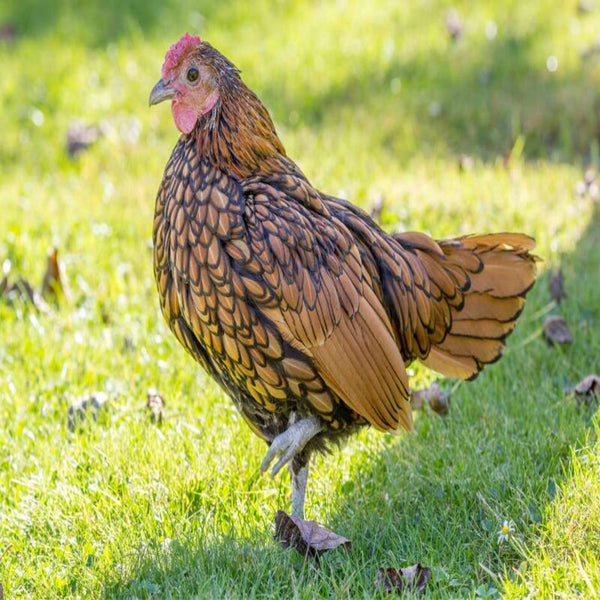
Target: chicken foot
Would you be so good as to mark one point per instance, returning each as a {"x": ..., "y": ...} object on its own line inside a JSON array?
[{"x": 291, "y": 442}]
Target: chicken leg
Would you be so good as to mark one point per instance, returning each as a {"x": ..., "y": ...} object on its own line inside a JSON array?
[
  {"x": 299, "y": 473},
  {"x": 288, "y": 446}
]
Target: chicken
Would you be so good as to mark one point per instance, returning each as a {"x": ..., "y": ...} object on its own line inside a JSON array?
[{"x": 296, "y": 302}]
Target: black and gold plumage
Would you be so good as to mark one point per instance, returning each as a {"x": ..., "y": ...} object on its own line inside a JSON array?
[{"x": 296, "y": 302}]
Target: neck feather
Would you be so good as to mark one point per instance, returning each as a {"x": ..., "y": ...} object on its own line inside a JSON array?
[{"x": 238, "y": 135}]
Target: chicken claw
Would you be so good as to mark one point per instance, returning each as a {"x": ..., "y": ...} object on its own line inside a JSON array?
[{"x": 291, "y": 442}]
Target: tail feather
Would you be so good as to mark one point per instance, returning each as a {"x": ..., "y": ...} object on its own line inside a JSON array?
[
  {"x": 502, "y": 309},
  {"x": 461, "y": 367},
  {"x": 451, "y": 303},
  {"x": 491, "y": 304},
  {"x": 482, "y": 328}
]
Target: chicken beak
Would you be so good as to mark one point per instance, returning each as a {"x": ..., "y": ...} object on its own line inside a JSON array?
[{"x": 161, "y": 92}]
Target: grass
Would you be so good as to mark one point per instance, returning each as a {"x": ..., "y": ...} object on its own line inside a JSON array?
[{"x": 368, "y": 101}]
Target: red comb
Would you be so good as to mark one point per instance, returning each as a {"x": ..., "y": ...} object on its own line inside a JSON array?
[{"x": 177, "y": 50}]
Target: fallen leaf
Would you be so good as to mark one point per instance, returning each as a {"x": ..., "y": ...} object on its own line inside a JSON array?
[
  {"x": 588, "y": 389},
  {"x": 105, "y": 314},
  {"x": 23, "y": 290},
  {"x": 377, "y": 207},
  {"x": 556, "y": 286},
  {"x": 156, "y": 405},
  {"x": 589, "y": 177},
  {"x": 591, "y": 51},
  {"x": 465, "y": 162},
  {"x": 556, "y": 331},
  {"x": 436, "y": 397},
  {"x": 54, "y": 281},
  {"x": 417, "y": 399},
  {"x": 8, "y": 33},
  {"x": 80, "y": 137},
  {"x": 128, "y": 344},
  {"x": 306, "y": 537},
  {"x": 454, "y": 25},
  {"x": 82, "y": 406},
  {"x": 580, "y": 189},
  {"x": 439, "y": 402},
  {"x": 413, "y": 579}
]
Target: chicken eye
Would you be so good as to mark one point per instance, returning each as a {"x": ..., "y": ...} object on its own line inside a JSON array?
[{"x": 192, "y": 74}]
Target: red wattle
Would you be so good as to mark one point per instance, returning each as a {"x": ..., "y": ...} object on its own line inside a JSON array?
[{"x": 185, "y": 116}]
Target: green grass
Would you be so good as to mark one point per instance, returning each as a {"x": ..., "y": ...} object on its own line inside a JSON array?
[{"x": 368, "y": 101}]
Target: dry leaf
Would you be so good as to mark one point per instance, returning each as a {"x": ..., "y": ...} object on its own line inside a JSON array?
[
  {"x": 588, "y": 389},
  {"x": 306, "y": 537},
  {"x": 556, "y": 331},
  {"x": 436, "y": 397},
  {"x": 439, "y": 400},
  {"x": 377, "y": 207},
  {"x": 156, "y": 405},
  {"x": 8, "y": 33},
  {"x": 466, "y": 162},
  {"x": 585, "y": 6},
  {"x": 105, "y": 315},
  {"x": 80, "y": 137},
  {"x": 589, "y": 185},
  {"x": 417, "y": 399},
  {"x": 54, "y": 281},
  {"x": 80, "y": 408},
  {"x": 128, "y": 344},
  {"x": 556, "y": 286},
  {"x": 410, "y": 579},
  {"x": 580, "y": 189},
  {"x": 591, "y": 51},
  {"x": 24, "y": 291},
  {"x": 454, "y": 24},
  {"x": 21, "y": 289}
]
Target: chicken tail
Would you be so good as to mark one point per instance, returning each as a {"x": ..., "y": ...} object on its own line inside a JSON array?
[{"x": 500, "y": 272}]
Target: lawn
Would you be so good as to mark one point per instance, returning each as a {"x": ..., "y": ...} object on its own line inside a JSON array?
[{"x": 377, "y": 101}]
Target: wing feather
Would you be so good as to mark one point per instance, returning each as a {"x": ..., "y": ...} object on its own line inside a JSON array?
[{"x": 336, "y": 319}]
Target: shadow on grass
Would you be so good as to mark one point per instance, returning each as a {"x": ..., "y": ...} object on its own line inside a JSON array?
[
  {"x": 438, "y": 496},
  {"x": 475, "y": 98},
  {"x": 475, "y": 102},
  {"x": 97, "y": 22}
]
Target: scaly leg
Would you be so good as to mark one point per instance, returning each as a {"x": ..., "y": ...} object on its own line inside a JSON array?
[
  {"x": 299, "y": 472},
  {"x": 291, "y": 442}
]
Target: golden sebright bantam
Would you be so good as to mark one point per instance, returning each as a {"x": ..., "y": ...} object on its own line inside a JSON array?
[{"x": 296, "y": 302}]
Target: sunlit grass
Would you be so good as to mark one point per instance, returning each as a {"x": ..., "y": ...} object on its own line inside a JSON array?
[{"x": 367, "y": 101}]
